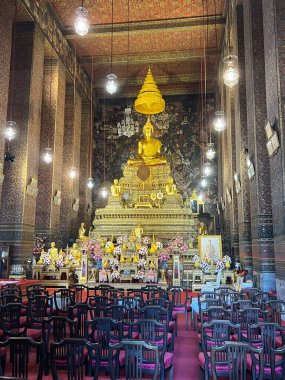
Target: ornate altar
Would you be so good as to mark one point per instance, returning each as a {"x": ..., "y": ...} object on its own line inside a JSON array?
[{"x": 146, "y": 194}]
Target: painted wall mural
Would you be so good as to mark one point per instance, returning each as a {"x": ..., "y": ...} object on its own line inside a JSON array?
[{"x": 178, "y": 128}]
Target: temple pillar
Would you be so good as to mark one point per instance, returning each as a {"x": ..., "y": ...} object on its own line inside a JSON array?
[
  {"x": 6, "y": 26},
  {"x": 260, "y": 191},
  {"x": 68, "y": 228},
  {"x": 241, "y": 142},
  {"x": 52, "y": 131},
  {"x": 274, "y": 41},
  {"x": 18, "y": 207},
  {"x": 85, "y": 194}
]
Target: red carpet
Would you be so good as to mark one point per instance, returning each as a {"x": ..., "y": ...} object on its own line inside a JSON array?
[{"x": 186, "y": 366}]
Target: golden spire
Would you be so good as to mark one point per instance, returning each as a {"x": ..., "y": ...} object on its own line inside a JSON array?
[{"x": 149, "y": 100}]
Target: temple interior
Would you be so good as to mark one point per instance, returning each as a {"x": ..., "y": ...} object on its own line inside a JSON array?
[{"x": 142, "y": 189}]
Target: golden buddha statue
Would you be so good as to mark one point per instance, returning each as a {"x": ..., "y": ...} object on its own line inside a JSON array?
[
  {"x": 82, "y": 231},
  {"x": 116, "y": 188},
  {"x": 76, "y": 253},
  {"x": 170, "y": 187},
  {"x": 203, "y": 229},
  {"x": 53, "y": 254},
  {"x": 148, "y": 149},
  {"x": 138, "y": 232}
]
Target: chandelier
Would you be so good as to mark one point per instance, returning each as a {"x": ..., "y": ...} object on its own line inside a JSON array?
[
  {"x": 219, "y": 121},
  {"x": 81, "y": 23},
  {"x": 112, "y": 85},
  {"x": 230, "y": 74},
  {"x": 210, "y": 152},
  {"x": 127, "y": 127}
]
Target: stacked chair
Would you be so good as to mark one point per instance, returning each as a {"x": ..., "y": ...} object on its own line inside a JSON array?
[
  {"x": 240, "y": 335},
  {"x": 81, "y": 332}
]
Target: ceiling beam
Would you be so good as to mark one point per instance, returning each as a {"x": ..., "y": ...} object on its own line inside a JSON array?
[
  {"x": 139, "y": 27},
  {"x": 160, "y": 80},
  {"x": 176, "y": 56}
]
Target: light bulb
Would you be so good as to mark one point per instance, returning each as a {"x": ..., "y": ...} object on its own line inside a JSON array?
[
  {"x": 72, "y": 173},
  {"x": 90, "y": 183},
  {"x": 219, "y": 121},
  {"x": 230, "y": 74},
  {"x": 207, "y": 169},
  {"x": 201, "y": 197},
  {"x": 104, "y": 192},
  {"x": 111, "y": 85},
  {"x": 81, "y": 23},
  {"x": 47, "y": 156},
  {"x": 10, "y": 130},
  {"x": 204, "y": 182},
  {"x": 210, "y": 153}
]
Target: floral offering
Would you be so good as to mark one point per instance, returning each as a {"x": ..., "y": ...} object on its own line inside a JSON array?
[
  {"x": 59, "y": 263},
  {"x": 146, "y": 240},
  {"x": 114, "y": 263},
  {"x": 141, "y": 263},
  {"x": 163, "y": 256},
  {"x": 117, "y": 251},
  {"x": 139, "y": 275},
  {"x": 159, "y": 245},
  {"x": 220, "y": 265},
  {"x": 177, "y": 245},
  {"x": 143, "y": 251},
  {"x": 120, "y": 240},
  {"x": 93, "y": 246},
  {"x": 46, "y": 259},
  {"x": 98, "y": 256},
  {"x": 115, "y": 275}
]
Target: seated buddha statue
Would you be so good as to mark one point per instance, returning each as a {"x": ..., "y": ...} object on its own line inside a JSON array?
[
  {"x": 82, "y": 231},
  {"x": 148, "y": 149},
  {"x": 170, "y": 188},
  {"x": 116, "y": 188},
  {"x": 53, "y": 254},
  {"x": 76, "y": 253}
]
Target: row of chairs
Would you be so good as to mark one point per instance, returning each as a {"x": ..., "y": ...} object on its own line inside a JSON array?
[{"x": 240, "y": 333}]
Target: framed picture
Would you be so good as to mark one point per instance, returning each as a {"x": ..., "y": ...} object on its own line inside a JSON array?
[{"x": 210, "y": 247}]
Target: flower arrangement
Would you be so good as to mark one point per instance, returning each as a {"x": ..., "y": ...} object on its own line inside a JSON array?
[
  {"x": 220, "y": 265},
  {"x": 143, "y": 251},
  {"x": 120, "y": 240},
  {"x": 141, "y": 263},
  {"x": 46, "y": 259},
  {"x": 114, "y": 263},
  {"x": 98, "y": 256},
  {"x": 146, "y": 240},
  {"x": 177, "y": 245},
  {"x": 163, "y": 256},
  {"x": 115, "y": 275},
  {"x": 93, "y": 246},
  {"x": 159, "y": 245},
  {"x": 108, "y": 244},
  {"x": 139, "y": 275},
  {"x": 39, "y": 245},
  {"x": 117, "y": 250},
  {"x": 227, "y": 259},
  {"x": 59, "y": 263}
]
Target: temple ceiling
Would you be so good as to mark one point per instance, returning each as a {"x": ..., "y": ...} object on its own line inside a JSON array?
[{"x": 172, "y": 36}]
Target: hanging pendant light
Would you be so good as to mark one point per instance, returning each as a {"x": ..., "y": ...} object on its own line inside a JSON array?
[
  {"x": 204, "y": 182},
  {"x": 81, "y": 23},
  {"x": 90, "y": 183},
  {"x": 10, "y": 130},
  {"x": 112, "y": 85},
  {"x": 230, "y": 74},
  {"x": 210, "y": 152},
  {"x": 73, "y": 172},
  {"x": 207, "y": 169},
  {"x": 104, "y": 192},
  {"x": 47, "y": 156},
  {"x": 219, "y": 121}
]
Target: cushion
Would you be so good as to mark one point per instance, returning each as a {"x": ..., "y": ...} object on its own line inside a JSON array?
[
  {"x": 168, "y": 362},
  {"x": 219, "y": 368}
]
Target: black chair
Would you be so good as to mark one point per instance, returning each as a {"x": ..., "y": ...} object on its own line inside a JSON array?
[
  {"x": 105, "y": 331},
  {"x": 233, "y": 359},
  {"x": 140, "y": 358},
  {"x": 63, "y": 299},
  {"x": 181, "y": 301},
  {"x": 75, "y": 356},
  {"x": 56, "y": 329},
  {"x": 81, "y": 293},
  {"x": 80, "y": 313},
  {"x": 17, "y": 361},
  {"x": 277, "y": 360}
]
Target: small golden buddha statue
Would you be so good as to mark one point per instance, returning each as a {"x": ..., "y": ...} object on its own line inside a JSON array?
[
  {"x": 76, "y": 253},
  {"x": 202, "y": 229},
  {"x": 148, "y": 149},
  {"x": 170, "y": 187},
  {"x": 116, "y": 188},
  {"x": 53, "y": 254},
  {"x": 40, "y": 262},
  {"x": 138, "y": 232},
  {"x": 82, "y": 231}
]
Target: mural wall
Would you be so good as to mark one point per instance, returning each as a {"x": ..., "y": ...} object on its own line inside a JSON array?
[{"x": 178, "y": 128}]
